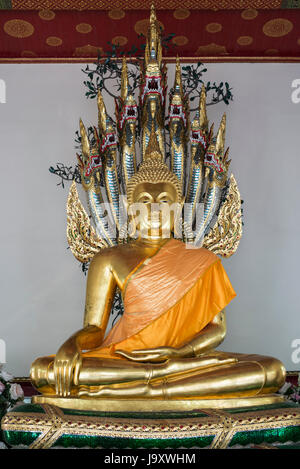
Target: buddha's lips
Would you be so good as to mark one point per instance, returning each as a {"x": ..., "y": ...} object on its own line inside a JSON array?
[{"x": 157, "y": 220}]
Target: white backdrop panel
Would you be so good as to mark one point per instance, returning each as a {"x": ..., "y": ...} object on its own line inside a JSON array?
[{"x": 42, "y": 286}]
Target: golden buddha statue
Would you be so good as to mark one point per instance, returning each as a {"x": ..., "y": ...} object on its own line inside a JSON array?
[{"x": 162, "y": 351}]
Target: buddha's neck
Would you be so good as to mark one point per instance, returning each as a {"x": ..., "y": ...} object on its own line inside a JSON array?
[{"x": 151, "y": 241}]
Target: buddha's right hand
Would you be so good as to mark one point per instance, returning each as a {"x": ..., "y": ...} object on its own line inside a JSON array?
[{"x": 67, "y": 366}]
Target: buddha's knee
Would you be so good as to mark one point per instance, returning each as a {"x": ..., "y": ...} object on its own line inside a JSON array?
[
  {"x": 275, "y": 374},
  {"x": 39, "y": 371}
]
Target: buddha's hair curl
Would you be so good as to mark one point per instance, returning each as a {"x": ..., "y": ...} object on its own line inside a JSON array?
[{"x": 152, "y": 170}]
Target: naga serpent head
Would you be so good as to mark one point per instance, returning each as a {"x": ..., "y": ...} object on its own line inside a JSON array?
[
  {"x": 177, "y": 112},
  {"x": 152, "y": 85},
  {"x": 198, "y": 135},
  {"x": 216, "y": 161},
  {"x": 128, "y": 112},
  {"x": 90, "y": 160},
  {"x": 126, "y": 107}
]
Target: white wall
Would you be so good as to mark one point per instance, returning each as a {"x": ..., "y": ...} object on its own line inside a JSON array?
[{"x": 42, "y": 287}]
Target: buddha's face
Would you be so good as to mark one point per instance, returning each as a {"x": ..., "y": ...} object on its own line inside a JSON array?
[{"x": 153, "y": 209}]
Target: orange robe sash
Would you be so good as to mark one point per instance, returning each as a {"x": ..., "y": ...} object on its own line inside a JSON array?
[{"x": 170, "y": 298}]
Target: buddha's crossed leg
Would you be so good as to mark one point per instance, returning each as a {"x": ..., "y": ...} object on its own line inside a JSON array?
[{"x": 217, "y": 374}]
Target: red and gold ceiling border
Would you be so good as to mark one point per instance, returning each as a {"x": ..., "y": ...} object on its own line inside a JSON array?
[
  {"x": 146, "y": 4},
  {"x": 77, "y": 36}
]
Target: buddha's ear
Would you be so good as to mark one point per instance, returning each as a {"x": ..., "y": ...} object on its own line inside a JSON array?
[{"x": 182, "y": 200}]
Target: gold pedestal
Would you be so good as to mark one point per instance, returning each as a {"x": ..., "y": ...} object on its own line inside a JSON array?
[{"x": 151, "y": 405}]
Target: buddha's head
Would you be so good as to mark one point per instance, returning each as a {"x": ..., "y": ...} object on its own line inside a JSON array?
[{"x": 154, "y": 198}]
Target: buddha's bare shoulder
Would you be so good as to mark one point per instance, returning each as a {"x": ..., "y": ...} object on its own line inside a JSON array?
[{"x": 111, "y": 255}]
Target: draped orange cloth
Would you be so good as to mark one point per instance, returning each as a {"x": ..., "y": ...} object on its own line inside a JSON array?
[{"x": 168, "y": 299}]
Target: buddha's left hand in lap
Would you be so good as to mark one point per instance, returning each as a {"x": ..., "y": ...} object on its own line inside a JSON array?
[
  {"x": 152, "y": 355},
  {"x": 161, "y": 354},
  {"x": 207, "y": 339}
]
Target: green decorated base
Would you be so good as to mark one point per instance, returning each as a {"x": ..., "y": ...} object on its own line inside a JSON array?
[{"x": 44, "y": 426}]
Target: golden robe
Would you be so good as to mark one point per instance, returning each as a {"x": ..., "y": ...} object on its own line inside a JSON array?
[{"x": 168, "y": 299}]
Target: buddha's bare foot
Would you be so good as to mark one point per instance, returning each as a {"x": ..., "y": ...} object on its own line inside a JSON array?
[
  {"x": 140, "y": 390},
  {"x": 94, "y": 391}
]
